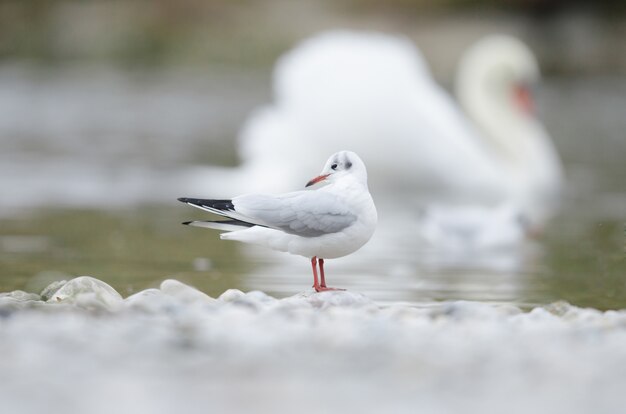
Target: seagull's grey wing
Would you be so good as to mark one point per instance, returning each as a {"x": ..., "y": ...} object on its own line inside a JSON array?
[{"x": 304, "y": 213}]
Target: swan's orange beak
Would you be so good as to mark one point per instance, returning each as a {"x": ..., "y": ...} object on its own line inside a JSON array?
[
  {"x": 317, "y": 180},
  {"x": 524, "y": 99}
]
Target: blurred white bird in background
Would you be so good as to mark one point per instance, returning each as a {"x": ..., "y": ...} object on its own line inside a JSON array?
[{"x": 374, "y": 93}]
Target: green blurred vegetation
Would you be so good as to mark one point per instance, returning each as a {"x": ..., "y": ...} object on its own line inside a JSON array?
[
  {"x": 524, "y": 6},
  {"x": 196, "y": 32},
  {"x": 133, "y": 32}
]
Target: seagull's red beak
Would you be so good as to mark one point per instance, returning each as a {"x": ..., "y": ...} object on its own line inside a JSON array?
[
  {"x": 524, "y": 99},
  {"x": 317, "y": 180}
]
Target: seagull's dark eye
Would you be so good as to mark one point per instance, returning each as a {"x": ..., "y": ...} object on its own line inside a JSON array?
[{"x": 333, "y": 167}]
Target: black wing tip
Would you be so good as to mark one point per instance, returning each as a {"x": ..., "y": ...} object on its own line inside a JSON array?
[
  {"x": 186, "y": 223},
  {"x": 217, "y": 204},
  {"x": 194, "y": 201}
]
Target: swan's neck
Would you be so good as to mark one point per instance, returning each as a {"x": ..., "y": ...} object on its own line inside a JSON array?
[
  {"x": 516, "y": 138},
  {"x": 511, "y": 133}
]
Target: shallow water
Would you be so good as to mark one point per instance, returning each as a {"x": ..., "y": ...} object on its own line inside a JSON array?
[{"x": 138, "y": 249}]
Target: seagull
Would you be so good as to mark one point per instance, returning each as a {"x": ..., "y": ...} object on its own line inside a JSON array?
[{"x": 333, "y": 217}]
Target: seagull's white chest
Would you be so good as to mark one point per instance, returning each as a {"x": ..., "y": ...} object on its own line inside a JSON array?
[{"x": 348, "y": 240}]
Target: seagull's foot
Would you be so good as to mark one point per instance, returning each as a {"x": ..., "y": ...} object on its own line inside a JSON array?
[{"x": 327, "y": 289}]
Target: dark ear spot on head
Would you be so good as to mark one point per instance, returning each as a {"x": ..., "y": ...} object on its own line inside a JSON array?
[{"x": 348, "y": 165}]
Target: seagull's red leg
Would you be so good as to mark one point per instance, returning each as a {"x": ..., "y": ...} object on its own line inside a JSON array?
[
  {"x": 323, "y": 284},
  {"x": 316, "y": 284}
]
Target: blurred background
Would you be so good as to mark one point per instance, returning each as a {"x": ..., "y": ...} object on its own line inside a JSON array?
[{"x": 108, "y": 107}]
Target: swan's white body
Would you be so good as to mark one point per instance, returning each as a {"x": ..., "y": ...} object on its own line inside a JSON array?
[{"x": 374, "y": 93}]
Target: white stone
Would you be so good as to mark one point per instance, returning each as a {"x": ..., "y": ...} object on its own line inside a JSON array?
[{"x": 87, "y": 292}]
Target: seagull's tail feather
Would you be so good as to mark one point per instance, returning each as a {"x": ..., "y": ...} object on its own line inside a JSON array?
[
  {"x": 220, "y": 207},
  {"x": 224, "y": 225},
  {"x": 224, "y": 208}
]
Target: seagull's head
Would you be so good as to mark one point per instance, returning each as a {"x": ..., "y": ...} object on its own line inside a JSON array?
[{"x": 341, "y": 165}]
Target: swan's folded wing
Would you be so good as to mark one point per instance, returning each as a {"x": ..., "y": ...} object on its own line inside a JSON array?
[{"x": 303, "y": 213}]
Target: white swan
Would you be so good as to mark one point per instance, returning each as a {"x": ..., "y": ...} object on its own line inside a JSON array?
[{"x": 374, "y": 93}]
